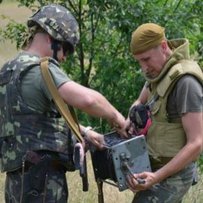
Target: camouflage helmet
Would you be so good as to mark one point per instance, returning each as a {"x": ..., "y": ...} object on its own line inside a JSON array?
[{"x": 58, "y": 22}]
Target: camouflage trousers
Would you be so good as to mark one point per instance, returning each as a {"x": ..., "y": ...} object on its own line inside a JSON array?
[
  {"x": 40, "y": 183},
  {"x": 170, "y": 190}
]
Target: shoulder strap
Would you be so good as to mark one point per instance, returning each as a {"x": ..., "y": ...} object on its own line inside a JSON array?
[
  {"x": 176, "y": 72},
  {"x": 63, "y": 108}
]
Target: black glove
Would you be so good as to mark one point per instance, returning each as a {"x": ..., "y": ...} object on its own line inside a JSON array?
[{"x": 139, "y": 115}]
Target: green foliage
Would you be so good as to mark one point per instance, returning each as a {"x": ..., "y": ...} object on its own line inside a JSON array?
[
  {"x": 106, "y": 26},
  {"x": 15, "y": 32},
  {"x": 200, "y": 163},
  {"x": 102, "y": 60}
]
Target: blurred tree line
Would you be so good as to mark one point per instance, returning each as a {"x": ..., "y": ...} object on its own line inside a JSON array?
[{"x": 102, "y": 60}]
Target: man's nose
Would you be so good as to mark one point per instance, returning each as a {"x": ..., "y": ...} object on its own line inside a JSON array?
[
  {"x": 63, "y": 58},
  {"x": 144, "y": 67}
]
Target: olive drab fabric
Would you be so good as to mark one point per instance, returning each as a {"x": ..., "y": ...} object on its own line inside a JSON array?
[
  {"x": 170, "y": 190},
  {"x": 63, "y": 108},
  {"x": 166, "y": 137},
  {"x": 22, "y": 128},
  {"x": 145, "y": 37},
  {"x": 58, "y": 22}
]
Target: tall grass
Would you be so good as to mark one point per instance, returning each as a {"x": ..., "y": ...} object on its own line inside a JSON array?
[{"x": 111, "y": 193}]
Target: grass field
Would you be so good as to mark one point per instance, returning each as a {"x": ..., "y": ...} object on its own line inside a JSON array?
[{"x": 111, "y": 194}]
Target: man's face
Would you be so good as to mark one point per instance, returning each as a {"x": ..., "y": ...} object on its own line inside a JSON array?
[
  {"x": 152, "y": 61},
  {"x": 62, "y": 52}
]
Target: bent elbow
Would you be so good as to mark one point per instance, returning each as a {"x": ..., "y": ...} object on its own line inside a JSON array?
[
  {"x": 88, "y": 102},
  {"x": 199, "y": 147}
]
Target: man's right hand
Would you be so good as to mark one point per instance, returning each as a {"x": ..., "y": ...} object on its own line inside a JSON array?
[
  {"x": 120, "y": 125},
  {"x": 129, "y": 126}
]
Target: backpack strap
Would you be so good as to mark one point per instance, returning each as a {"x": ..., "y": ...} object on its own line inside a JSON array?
[{"x": 63, "y": 108}]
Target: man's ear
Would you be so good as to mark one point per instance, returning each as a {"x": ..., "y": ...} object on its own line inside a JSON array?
[
  {"x": 164, "y": 45},
  {"x": 49, "y": 39}
]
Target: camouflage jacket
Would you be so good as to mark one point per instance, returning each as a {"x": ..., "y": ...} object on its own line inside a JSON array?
[{"x": 21, "y": 127}]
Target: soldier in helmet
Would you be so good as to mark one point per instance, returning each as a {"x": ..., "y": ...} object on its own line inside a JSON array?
[{"x": 34, "y": 137}]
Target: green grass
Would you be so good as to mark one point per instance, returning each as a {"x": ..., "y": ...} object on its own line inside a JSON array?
[{"x": 111, "y": 193}]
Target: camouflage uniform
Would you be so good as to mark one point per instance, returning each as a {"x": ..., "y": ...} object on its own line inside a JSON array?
[
  {"x": 35, "y": 145},
  {"x": 171, "y": 190},
  {"x": 43, "y": 182}
]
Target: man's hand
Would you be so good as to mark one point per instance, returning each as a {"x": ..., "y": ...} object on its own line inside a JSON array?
[
  {"x": 148, "y": 179},
  {"x": 129, "y": 127},
  {"x": 96, "y": 139},
  {"x": 119, "y": 125}
]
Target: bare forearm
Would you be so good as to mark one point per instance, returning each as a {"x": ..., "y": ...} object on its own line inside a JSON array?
[
  {"x": 90, "y": 101},
  {"x": 142, "y": 99},
  {"x": 193, "y": 127},
  {"x": 100, "y": 107},
  {"x": 188, "y": 154}
]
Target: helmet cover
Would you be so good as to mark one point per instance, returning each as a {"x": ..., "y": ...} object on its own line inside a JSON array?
[{"x": 58, "y": 22}]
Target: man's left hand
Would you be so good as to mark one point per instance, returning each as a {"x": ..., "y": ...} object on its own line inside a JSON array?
[{"x": 148, "y": 178}]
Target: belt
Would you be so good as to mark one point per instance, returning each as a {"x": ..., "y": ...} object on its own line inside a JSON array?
[
  {"x": 158, "y": 162},
  {"x": 35, "y": 158}
]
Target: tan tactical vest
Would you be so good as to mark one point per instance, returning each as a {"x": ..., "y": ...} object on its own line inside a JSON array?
[{"x": 165, "y": 138}]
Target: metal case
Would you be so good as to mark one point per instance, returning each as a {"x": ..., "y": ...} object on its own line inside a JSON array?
[
  {"x": 121, "y": 158},
  {"x": 130, "y": 156}
]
